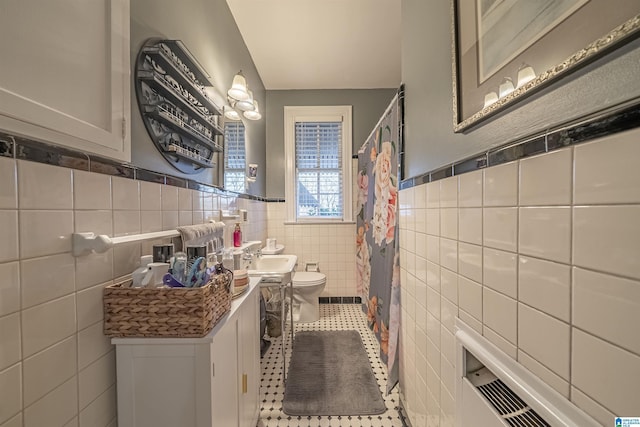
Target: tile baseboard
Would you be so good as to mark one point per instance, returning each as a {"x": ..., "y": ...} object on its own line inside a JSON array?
[{"x": 340, "y": 300}]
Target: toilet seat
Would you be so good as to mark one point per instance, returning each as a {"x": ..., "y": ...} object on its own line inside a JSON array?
[{"x": 308, "y": 278}]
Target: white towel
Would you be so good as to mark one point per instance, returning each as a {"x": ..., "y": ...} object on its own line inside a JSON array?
[{"x": 201, "y": 234}]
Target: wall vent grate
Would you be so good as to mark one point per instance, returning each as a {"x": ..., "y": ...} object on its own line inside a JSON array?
[{"x": 511, "y": 408}]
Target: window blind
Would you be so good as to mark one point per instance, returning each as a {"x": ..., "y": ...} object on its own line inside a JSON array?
[
  {"x": 234, "y": 157},
  {"x": 318, "y": 147}
]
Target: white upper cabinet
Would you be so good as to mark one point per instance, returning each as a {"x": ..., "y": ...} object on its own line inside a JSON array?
[{"x": 65, "y": 74}]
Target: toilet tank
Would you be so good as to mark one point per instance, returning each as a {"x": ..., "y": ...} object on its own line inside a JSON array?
[{"x": 273, "y": 251}]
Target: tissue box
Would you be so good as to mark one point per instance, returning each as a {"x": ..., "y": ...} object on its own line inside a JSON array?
[{"x": 165, "y": 312}]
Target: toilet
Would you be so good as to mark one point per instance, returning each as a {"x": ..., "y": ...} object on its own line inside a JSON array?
[{"x": 307, "y": 287}]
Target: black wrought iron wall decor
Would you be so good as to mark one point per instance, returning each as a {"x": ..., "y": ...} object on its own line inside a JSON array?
[{"x": 181, "y": 119}]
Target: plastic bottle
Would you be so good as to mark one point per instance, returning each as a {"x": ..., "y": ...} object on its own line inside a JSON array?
[
  {"x": 141, "y": 271},
  {"x": 227, "y": 259},
  {"x": 237, "y": 236}
]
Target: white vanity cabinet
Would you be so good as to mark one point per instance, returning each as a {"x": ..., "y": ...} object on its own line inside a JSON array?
[
  {"x": 65, "y": 74},
  {"x": 212, "y": 381}
]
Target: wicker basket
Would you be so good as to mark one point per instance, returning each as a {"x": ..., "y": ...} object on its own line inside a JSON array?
[{"x": 165, "y": 312}]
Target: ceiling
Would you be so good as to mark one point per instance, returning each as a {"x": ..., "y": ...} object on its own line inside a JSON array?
[{"x": 322, "y": 44}]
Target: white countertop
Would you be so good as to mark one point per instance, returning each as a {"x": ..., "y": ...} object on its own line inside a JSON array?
[{"x": 235, "y": 304}]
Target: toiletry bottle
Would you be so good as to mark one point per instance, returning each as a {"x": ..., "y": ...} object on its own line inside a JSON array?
[
  {"x": 237, "y": 236},
  {"x": 179, "y": 266},
  {"x": 227, "y": 259},
  {"x": 141, "y": 271},
  {"x": 195, "y": 252}
]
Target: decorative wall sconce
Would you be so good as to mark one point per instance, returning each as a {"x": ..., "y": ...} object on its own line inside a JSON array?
[{"x": 241, "y": 99}]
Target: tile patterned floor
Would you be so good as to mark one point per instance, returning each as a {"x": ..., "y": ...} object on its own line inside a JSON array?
[{"x": 332, "y": 317}]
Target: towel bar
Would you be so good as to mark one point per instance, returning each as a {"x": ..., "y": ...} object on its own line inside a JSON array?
[{"x": 85, "y": 243}]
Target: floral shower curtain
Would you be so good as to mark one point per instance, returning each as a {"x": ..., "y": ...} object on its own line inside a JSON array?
[{"x": 377, "y": 248}]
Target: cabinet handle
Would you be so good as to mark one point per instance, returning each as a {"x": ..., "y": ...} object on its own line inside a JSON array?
[
  {"x": 213, "y": 369},
  {"x": 244, "y": 383}
]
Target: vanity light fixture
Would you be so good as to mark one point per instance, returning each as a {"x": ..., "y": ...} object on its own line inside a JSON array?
[
  {"x": 230, "y": 113},
  {"x": 506, "y": 87},
  {"x": 246, "y": 105},
  {"x": 239, "y": 90},
  {"x": 253, "y": 114},
  {"x": 525, "y": 74}
]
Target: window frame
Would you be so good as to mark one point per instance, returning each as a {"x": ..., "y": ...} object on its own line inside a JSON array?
[
  {"x": 331, "y": 113},
  {"x": 225, "y": 160}
]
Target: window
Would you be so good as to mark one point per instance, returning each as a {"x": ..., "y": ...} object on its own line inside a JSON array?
[
  {"x": 318, "y": 159},
  {"x": 234, "y": 157}
]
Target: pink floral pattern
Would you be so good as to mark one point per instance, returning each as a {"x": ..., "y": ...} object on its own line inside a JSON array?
[
  {"x": 386, "y": 192},
  {"x": 377, "y": 251},
  {"x": 363, "y": 190},
  {"x": 363, "y": 264}
]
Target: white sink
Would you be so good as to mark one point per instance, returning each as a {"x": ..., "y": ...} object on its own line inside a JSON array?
[{"x": 273, "y": 266}]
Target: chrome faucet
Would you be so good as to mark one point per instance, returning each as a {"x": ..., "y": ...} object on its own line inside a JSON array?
[{"x": 247, "y": 255}]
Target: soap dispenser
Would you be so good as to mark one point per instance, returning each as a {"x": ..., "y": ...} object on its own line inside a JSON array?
[
  {"x": 237, "y": 236},
  {"x": 141, "y": 271}
]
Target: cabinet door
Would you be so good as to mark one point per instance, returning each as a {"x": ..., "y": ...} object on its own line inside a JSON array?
[
  {"x": 65, "y": 73},
  {"x": 158, "y": 385},
  {"x": 224, "y": 388},
  {"x": 249, "y": 372}
]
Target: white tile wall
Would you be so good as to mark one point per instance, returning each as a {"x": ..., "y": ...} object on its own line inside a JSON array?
[
  {"x": 56, "y": 365},
  {"x": 545, "y": 233},
  {"x": 607, "y": 306},
  {"x": 500, "y": 271},
  {"x": 607, "y": 238},
  {"x": 8, "y": 189},
  {"x": 470, "y": 190},
  {"x": 501, "y": 185},
  {"x": 558, "y": 284},
  {"x": 550, "y": 348},
  {"x": 92, "y": 191},
  {"x": 470, "y": 261},
  {"x": 606, "y": 176},
  {"x": 500, "y": 228},
  {"x": 9, "y": 235},
  {"x": 10, "y": 392},
  {"x": 500, "y": 313},
  {"x": 53, "y": 193},
  {"x": 333, "y": 246},
  {"x": 10, "y": 352},
  {"x": 614, "y": 377},
  {"x": 46, "y": 370},
  {"x": 545, "y": 285},
  {"x": 125, "y": 194},
  {"x": 545, "y": 180},
  {"x": 470, "y": 225},
  {"x": 9, "y": 288}
]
